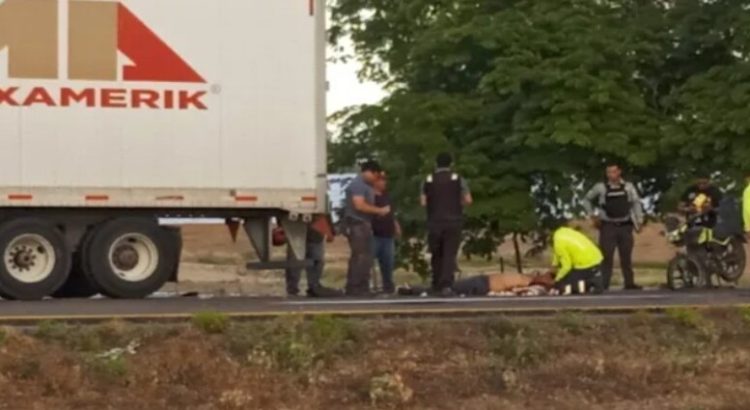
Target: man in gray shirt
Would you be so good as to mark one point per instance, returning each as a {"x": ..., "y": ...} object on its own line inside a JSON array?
[
  {"x": 359, "y": 209},
  {"x": 615, "y": 207}
]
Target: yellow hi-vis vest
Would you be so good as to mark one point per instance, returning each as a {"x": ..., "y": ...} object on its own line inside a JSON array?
[{"x": 573, "y": 250}]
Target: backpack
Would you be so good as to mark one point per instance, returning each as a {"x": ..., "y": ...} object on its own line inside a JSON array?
[{"x": 729, "y": 218}]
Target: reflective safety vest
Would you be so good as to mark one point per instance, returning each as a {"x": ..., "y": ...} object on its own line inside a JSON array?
[{"x": 573, "y": 251}]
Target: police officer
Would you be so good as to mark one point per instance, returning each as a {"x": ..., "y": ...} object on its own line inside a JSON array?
[
  {"x": 615, "y": 208},
  {"x": 444, "y": 194}
]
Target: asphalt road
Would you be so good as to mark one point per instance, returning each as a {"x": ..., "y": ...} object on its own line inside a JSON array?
[{"x": 175, "y": 308}]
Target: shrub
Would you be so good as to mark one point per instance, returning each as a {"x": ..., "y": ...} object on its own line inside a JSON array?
[{"x": 211, "y": 322}]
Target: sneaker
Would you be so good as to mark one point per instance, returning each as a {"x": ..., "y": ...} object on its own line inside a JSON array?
[
  {"x": 447, "y": 293},
  {"x": 633, "y": 287},
  {"x": 360, "y": 294}
]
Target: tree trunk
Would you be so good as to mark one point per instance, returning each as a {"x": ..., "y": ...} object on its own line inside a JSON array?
[{"x": 517, "y": 248}]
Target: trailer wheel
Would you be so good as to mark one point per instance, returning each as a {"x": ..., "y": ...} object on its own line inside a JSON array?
[
  {"x": 130, "y": 257},
  {"x": 174, "y": 234},
  {"x": 36, "y": 260}
]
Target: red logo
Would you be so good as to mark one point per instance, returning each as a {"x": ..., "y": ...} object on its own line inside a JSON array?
[{"x": 98, "y": 33}]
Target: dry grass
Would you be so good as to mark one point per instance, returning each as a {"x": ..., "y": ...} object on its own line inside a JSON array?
[{"x": 682, "y": 360}]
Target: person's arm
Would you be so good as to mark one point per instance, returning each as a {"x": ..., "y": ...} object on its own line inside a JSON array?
[
  {"x": 423, "y": 195},
  {"x": 361, "y": 205},
  {"x": 636, "y": 206},
  {"x": 397, "y": 227},
  {"x": 466, "y": 196},
  {"x": 685, "y": 205},
  {"x": 562, "y": 260},
  {"x": 588, "y": 200},
  {"x": 718, "y": 196}
]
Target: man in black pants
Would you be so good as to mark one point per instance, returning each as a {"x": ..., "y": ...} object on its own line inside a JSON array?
[
  {"x": 444, "y": 194},
  {"x": 615, "y": 207}
]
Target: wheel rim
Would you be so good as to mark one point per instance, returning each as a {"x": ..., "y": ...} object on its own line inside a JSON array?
[
  {"x": 133, "y": 257},
  {"x": 29, "y": 258},
  {"x": 733, "y": 265}
]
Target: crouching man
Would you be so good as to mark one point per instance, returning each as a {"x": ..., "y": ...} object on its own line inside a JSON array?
[{"x": 577, "y": 262}]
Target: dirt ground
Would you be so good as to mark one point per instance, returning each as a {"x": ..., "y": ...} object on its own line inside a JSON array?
[
  {"x": 683, "y": 360},
  {"x": 213, "y": 263}
]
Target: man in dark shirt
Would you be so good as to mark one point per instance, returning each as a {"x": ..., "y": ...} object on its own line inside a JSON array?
[
  {"x": 701, "y": 201},
  {"x": 386, "y": 229},
  {"x": 444, "y": 194}
]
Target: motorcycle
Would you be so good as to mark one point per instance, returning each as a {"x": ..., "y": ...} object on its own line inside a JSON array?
[{"x": 708, "y": 256}]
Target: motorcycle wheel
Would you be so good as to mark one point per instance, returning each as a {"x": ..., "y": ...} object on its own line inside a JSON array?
[
  {"x": 685, "y": 272},
  {"x": 733, "y": 261}
]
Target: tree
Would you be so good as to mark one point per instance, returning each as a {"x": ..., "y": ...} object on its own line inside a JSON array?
[{"x": 534, "y": 95}]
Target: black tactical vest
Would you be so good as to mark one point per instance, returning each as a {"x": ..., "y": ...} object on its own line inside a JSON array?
[
  {"x": 616, "y": 202},
  {"x": 444, "y": 198}
]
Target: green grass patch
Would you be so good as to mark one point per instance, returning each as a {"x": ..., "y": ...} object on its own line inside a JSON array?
[
  {"x": 83, "y": 338},
  {"x": 686, "y": 317},
  {"x": 574, "y": 323},
  {"x": 211, "y": 322},
  {"x": 515, "y": 345},
  {"x": 109, "y": 369},
  {"x": 293, "y": 343},
  {"x": 744, "y": 312}
]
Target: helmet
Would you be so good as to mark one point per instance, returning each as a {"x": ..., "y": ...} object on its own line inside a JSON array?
[{"x": 701, "y": 201}]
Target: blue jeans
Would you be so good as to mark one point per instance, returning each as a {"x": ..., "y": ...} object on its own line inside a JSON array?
[{"x": 385, "y": 250}]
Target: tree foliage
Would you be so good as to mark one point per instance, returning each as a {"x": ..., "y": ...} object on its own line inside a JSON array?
[{"x": 533, "y": 96}]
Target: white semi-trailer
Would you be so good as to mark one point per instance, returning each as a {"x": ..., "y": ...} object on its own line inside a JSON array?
[{"x": 114, "y": 114}]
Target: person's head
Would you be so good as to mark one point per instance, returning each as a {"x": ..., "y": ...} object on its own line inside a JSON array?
[
  {"x": 444, "y": 160},
  {"x": 614, "y": 172},
  {"x": 381, "y": 184},
  {"x": 371, "y": 171},
  {"x": 560, "y": 223},
  {"x": 703, "y": 180}
]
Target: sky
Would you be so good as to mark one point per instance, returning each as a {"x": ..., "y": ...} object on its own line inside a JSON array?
[{"x": 345, "y": 89}]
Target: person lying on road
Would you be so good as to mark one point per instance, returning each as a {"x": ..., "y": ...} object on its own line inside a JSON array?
[{"x": 491, "y": 284}]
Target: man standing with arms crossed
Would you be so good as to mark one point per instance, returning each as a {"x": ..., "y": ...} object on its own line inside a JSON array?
[
  {"x": 444, "y": 194},
  {"x": 359, "y": 209},
  {"x": 615, "y": 207}
]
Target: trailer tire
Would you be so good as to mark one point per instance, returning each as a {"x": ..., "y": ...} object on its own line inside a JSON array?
[
  {"x": 129, "y": 258},
  {"x": 36, "y": 259},
  {"x": 174, "y": 234}
]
